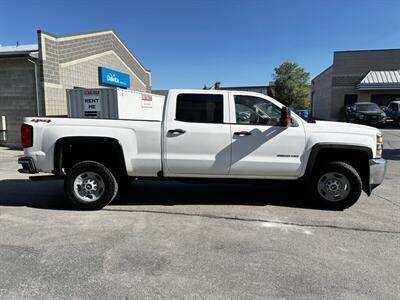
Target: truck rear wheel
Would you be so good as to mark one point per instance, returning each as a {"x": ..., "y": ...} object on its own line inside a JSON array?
[
  {"x": 336, "y": 186},
  {"x": 90, "y": 185}
]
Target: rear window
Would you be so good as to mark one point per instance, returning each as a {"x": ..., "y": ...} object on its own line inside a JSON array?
[{"x": 200, "y": 108}]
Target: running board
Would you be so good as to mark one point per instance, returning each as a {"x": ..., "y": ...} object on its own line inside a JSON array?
[{"x": 45, "y": 178}]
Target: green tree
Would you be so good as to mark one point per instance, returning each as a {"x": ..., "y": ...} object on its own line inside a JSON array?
[
  {"x": 292, "y": 85},
  {"x": 215, "y": 86}
]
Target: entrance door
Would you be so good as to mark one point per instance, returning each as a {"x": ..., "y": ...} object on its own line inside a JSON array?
[{"x": 260, "y": 146}]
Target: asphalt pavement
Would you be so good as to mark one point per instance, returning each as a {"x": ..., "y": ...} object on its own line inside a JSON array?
[{"x": 171, "y": 240}]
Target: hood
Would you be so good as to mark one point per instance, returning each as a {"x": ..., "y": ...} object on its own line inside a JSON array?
[{"x": 330, "y": 126}]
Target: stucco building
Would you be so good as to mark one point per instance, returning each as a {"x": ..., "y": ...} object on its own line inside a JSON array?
[
  {"x": 355, "y": 76},
  {"x": 34, "y": 78}
]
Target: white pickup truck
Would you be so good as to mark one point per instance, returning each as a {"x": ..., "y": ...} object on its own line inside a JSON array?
[{"x": 206, "y": 135}]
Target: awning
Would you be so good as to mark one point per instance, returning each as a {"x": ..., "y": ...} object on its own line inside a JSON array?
[{"x": 380, "y": 80}]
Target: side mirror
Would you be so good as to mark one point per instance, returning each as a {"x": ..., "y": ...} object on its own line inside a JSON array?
[{"x": 286, "y": 118}]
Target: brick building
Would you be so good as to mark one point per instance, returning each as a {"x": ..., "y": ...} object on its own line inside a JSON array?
[
  {"x": 356, "y": 76},
  {"x": 34, "y": 78}
]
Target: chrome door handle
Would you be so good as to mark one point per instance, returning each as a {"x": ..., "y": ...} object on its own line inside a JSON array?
[
  {"x": 242, "y": 133},
  {"x": 176, "y": 131}
]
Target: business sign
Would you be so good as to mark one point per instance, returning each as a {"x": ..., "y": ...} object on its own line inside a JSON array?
[
  {"x": 91, "y": 102},
  {"x": 113, "y": 78}
]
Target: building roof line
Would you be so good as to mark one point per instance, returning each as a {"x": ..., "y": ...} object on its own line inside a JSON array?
[
  {"x": 20, "y": 50},
  {"x": 74, "y": 34},
  {"x": 104, "y": 31},
  {"x": 324, "y": 71},
  {"x": 367, "y": 50}
]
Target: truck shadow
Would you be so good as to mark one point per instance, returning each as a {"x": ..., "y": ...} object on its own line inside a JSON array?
[
  {"x": 245, "y": 145},
  {"x": 49, "y": 195},
  {"x": 391, "y": 154}
]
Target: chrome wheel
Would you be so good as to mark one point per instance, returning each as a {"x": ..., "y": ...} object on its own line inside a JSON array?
[
  {"x": 89, "y": 186},
  {"x": 333, "y": 186}
]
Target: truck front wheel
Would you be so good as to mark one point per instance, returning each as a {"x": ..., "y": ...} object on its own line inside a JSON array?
[
  {"x": 336, "y": 186},
  {"x": 90, "y": 185}
]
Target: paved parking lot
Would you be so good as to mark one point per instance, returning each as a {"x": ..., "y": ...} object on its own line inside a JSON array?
[{"x": 171, "y": 240}]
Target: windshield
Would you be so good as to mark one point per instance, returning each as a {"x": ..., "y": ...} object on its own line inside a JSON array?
[{"x": 367, "y": 107}]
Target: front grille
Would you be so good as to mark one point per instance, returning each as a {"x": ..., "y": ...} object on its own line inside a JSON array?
[{"x": 373, "y": 118}]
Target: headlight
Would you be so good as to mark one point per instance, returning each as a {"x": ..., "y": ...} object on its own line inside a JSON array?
[
  {"x": 383, "y": 115},
  {"x": 379, "y": 145}
]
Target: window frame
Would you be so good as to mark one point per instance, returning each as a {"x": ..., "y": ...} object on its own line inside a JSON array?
[
  {"x": 225, "y": 106},
  {"x": 274, "y": 102}
]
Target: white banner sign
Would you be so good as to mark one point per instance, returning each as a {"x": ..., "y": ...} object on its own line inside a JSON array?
[{"x": 91, "y": 101}]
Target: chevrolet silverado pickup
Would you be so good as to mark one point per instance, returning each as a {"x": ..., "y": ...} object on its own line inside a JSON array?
[{"x": 206, "y": 135}]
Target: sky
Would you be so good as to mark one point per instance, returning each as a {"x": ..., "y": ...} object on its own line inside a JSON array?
[{"x": 189, "y": 43}]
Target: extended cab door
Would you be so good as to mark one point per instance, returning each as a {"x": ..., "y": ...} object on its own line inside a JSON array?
[
  {"x": 260, "y": 146},
  {"x": 197, "y": 135}
]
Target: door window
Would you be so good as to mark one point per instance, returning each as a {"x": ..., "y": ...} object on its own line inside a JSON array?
[
  {"x": 252, "y": 110},
  {"x": 200, "y": 108}
]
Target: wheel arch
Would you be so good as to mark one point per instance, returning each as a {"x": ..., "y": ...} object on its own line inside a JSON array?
[
  {"x": 106, "y": 150},
  {"x": 356, "y": 156}
]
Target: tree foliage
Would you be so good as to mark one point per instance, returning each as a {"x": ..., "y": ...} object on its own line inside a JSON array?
[
  {"x": 215, "y": 86},
  {"x": 292, "y": 85}
]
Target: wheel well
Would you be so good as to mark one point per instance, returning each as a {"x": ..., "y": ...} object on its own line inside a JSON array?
[
  {"x": 107, "y": 151},
  {"x": 357, "y": 157}
]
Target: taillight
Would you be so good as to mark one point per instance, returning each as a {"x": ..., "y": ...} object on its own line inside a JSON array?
[{"x": 26, "y": 136}]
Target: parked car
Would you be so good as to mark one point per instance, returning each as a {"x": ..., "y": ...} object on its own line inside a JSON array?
[
  {"x": 206, "y": 135},
  {"x": 366, "y": 113},
  {"x": 393, "y": 112},
  {"x": 303, "y": 113}
]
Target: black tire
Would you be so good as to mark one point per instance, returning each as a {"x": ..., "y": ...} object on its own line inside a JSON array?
[
  {"x": 109, "y": 185},
  {"x": 338, "y": 168}
]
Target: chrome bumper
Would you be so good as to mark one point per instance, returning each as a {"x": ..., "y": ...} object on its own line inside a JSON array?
[{"x": 377, "y": 171}]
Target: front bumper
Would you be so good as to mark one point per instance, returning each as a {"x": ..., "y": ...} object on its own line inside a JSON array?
[
  {"x": 28, "y": 165},
  {"x": 377, "y": 171},
  {"x": 372, "y": 122}
]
